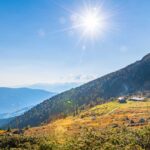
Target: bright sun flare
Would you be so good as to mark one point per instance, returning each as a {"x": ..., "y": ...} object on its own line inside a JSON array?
[{"x": 91, "y": 22}]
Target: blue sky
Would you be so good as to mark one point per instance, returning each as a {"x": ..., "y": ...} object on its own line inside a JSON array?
[{"x": 36, "y": 47}]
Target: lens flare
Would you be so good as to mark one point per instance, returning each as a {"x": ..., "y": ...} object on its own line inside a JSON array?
[{"x": 90, "y": 21}]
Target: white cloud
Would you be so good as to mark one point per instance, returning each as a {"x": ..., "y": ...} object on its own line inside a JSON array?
[{"x": 77, "y": 78}]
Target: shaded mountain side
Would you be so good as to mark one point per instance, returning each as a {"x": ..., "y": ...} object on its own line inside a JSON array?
[
  {"x": 14, "y": 99},
  {"x": 129, "y": 80},
  {"x": 5, "y": 121}
]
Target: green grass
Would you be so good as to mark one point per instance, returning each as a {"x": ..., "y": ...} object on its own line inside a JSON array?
[{"x": 111, "y": 107}]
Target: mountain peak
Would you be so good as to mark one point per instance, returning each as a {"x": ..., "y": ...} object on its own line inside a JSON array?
[{"x": 146, "y": 57}]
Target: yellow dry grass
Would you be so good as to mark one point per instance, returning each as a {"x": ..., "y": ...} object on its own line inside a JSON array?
[
  {"x": 99, "y": 116},
  {"x": 2, "y": 132}
]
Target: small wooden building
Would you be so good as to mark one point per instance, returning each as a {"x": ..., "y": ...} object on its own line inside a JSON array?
[
  {"x": 135, "y": 98},
  {"x": 122, "y": 100}
]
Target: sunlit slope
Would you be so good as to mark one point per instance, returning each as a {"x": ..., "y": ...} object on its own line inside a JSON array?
[
  {"x": 2, "y": 132},
  {"x": 131, "y": 114}
]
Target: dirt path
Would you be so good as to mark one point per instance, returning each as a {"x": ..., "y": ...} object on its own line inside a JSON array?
[{"x": 112, "y": 111}]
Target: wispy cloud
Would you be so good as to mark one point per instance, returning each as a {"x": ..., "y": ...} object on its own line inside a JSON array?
[{"x": 77, "y": 78}]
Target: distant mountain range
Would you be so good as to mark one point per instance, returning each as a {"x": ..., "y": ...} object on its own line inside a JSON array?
[
  {"x": 129, "y": 80},
  {"x": 55, "y": 87},
  {"x": 14, "y": 99}
]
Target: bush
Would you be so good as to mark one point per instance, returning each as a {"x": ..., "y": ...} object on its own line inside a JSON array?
[
  {"x": 46, "y": 146},
  {"x": 142, "y": 120},
  {"x": 49, "y": 144},
  {"x": 19, "y": 142}
]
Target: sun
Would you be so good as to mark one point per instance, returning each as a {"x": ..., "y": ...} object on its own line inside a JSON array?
[{"x": 91, "y": 21}]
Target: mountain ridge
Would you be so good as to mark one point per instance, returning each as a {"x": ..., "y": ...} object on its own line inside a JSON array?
[{"x": 13, "y": 99}]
